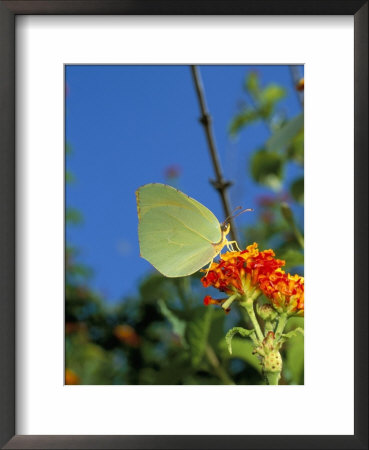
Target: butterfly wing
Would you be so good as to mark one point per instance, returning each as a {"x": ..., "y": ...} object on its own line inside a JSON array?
[{"x": 175, "y": 231}]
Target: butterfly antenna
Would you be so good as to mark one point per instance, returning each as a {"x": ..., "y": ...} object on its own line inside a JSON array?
[
  {"x": 233, "y": 216},
  {"x": 229, "y": 217}
]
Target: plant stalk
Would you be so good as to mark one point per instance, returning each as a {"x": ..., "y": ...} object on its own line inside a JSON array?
[
  {"x": 273, "y": 378},
  {"x": 220, "y": 184},
  {"x": 281, "y": 325},
  {"x": 249, "y": 306},
  {"x": 298, "y": 236}
]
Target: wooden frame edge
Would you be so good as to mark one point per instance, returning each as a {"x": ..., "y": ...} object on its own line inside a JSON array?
[{"x": 8, "y": 11}]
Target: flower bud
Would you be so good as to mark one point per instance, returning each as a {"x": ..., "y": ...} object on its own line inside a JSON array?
[
  {"x": 266, "y": 312},
  {"x": 300, "y": 85},
  {"x": 272, "y": 362}
]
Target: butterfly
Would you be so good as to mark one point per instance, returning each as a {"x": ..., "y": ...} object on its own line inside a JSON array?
[{"x": 177, "y": 234}]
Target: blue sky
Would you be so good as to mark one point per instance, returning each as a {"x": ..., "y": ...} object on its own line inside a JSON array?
[{"x": 126, "y": 125}]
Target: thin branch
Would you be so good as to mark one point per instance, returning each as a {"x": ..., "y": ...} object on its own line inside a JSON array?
[
  {"x": 295, "y": 74},
  {"x": 220, "y": 184}
]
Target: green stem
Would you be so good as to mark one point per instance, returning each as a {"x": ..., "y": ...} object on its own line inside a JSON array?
[
  {"x": 248, "y": 304},
  {"x": 269, "y": 326},
  {"x": 288, "y": 215},
  {"x": 298, "y": 236},
  {"x": 281, "y": 325},
  {"x": 229, "y": 301},
  {"x": 273, "y": 378},
  {"x": 218, "y": 369}
]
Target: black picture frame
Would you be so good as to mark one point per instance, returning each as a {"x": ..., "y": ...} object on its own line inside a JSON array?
[{"x": 8, "y": 11}]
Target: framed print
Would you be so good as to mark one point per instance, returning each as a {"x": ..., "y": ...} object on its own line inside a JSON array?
[
  {"x": 190, "y": 270},
  {"x": 191, "y": 136}
]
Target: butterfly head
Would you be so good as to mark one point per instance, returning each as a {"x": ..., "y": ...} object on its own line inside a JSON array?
[{"x": 225, "y": 227}]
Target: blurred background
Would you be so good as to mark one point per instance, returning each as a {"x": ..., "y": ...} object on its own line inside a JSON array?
[{"x": 131, "y": 125}]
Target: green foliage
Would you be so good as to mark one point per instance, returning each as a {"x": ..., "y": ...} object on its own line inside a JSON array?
[
  {"x": 243, "y": 349},
  {"x": 296, "y": 332},
  {"x": 197, "y": 333},
  {"x": 252, "y": 84},
  {"x": 297, "y": 190},
  {"x": 91, "y": 362},
  {"x": 295, "y": 149},
  {"x": 268, "y": 98},
  {"x": 293, "y": 366},
  {"x": 267, "y": 168},
  {"x": 294, "y": 257},
  {"x": 284, "y": 136},
  {"x": 73, "y": 216},
  {"x": 69, "y": 177},
  {"x": 277, "y": 226},
  {"x": 264, "y": 101},
  {"x": 241, "y": 120},
  {"x": 236, "y": 330},
  {"x": 179, "y": 326}
]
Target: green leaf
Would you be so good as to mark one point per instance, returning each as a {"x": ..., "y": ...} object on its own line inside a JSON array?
[
  {"x": 243, "y": 349},
  {"x": 156, "y": 286},
  {"x": 241, "y": 120},
  {"x": 272, "y": 94},
  {"x": 179, "y": 326},
  {"x": 294, "y": 361},
  {"x": 293, "y": 333},
  {"x": 174, "y": 370},
  {"x": 69, "y": 177},
  {"x": 267, "y": 168},
  {"x": 282, "y": 138},
  {"x": 297, "y": 190},
  {"x": 268, "y": 99},
  {"x": 197, "y": 332},
  {"x": 230, "y": 334},
  {"x": 252, "y": 84},
  {"x": 81, "y": 271},
  {"x": 293, "y": 257},
  {"x": 287, "y": 213},
  {"x": 216, "y": 334},
  {"x": 295, "y": 150},
  {"x": 73, "y": 216},
  {"x": 288, "y": 216}
]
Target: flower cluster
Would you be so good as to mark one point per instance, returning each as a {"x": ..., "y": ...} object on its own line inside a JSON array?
[
  {"x": 285, "y": 291},
  {"x": 251, "y": 272},
  {"x": 238, "y": 272}
]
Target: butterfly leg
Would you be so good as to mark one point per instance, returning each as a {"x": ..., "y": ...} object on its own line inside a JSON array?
[
  {"x": 211, "y": 262},
  {"x": 235, "y": 245}
]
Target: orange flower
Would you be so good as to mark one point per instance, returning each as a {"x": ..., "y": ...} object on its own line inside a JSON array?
[
  {"x": 238, "y": 273},
  {"x": 208, "y": 300},
  {"x": 127, "y": 334},
  {"x": 71, "y": 377},
  {"x": 285, "y": 291}
]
